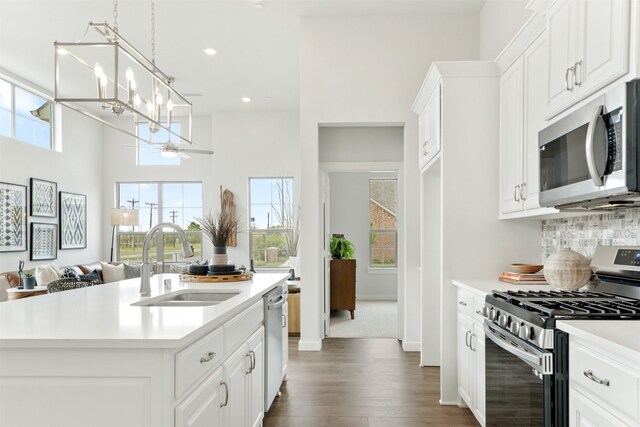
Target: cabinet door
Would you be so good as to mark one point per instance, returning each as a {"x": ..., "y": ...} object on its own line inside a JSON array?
[
  {"x": 511, "y": 112},
  {"x": 465, "y": 360},
  {"x": 479, "y": 381},
  {"x": 202, "y": 407},
  {"x": 255, "y": 390},
  {"x": 535, "y": 83},
  {"x": 604, "y": 43},
  {"x": 235, "y": 371},
  {"x": 422, "y": 138},
  {"x": 433, "y": 124},
  {"x": 583, "y": 412},
  {"x": 562, "y": 22},
  {"x": 285, "y": 339}
]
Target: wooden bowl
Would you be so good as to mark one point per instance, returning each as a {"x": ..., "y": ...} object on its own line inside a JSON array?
[{"x": 526, "y": 268}]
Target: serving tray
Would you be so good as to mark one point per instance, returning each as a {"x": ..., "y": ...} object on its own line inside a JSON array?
[{"x": 215, "y": 279}]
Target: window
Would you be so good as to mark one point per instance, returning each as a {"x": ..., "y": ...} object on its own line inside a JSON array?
[
  {"x": 268, "y": 197},
  {"x": 383, "y": 231},
  {"x": 25, "y": 116},
  {"x": 152, "y": 154},
  {"x": 179, "y": 203}
]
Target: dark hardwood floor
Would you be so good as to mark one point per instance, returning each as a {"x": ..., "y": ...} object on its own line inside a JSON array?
[{"x": 360, "y": 382}]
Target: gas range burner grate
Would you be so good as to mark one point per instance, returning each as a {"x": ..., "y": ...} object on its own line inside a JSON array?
[{"x": 512, "y": 296}]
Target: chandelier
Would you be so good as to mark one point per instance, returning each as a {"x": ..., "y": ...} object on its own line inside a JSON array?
[{"x": 109, "y": 77}]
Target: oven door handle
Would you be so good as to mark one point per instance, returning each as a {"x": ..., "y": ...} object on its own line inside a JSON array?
[
  {"x": 596, "y": 118},
  {"x": 538, "y": 360}
]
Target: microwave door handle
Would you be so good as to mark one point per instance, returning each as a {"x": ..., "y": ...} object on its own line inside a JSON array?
[{"x": 591, "y": 160}]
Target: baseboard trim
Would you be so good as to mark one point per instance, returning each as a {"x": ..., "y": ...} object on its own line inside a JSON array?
[
  {"x": 410, "y": 346},
  {"x": 315, "y": 345},
  {"x": 376, "y": 298},
  {"x": 444, "y": 403}
]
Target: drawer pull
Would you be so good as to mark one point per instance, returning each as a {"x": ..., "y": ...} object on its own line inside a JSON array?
[
  {"x": 226, "y": 394},
  {"x": 589, "y": 374},
  {"x": 462, "y": 303},
  {"x": 479, "y": 312},
  {"x": 209, "y": 357},
  {"x": 253, "y": 359}
]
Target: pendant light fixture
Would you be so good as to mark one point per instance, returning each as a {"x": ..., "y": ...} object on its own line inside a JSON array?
[{"x": 105, "y": 75}]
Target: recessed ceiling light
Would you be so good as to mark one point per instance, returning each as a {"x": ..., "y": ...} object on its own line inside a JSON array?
[
  {"x": 258, "y": 5},
  {"x": 210, "y": 51},
  {"x": 246, "y": 99}
]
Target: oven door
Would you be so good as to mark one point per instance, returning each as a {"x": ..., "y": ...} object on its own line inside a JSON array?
[{"x": 519, "y": 380}]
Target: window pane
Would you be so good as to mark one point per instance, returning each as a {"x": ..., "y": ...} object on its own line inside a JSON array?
[
  {"x": 172, "y": 195},
  {"x": 382, "y": 217},
  {"x": 269, "y": 249},
  {"x": 383, "y": 248},
  {"x": 5, "y": 122},
  {"x": 5, "y": 95}
]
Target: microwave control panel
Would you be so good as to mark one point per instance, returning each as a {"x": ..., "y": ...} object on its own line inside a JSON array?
[{"x": 613, "y": 121}]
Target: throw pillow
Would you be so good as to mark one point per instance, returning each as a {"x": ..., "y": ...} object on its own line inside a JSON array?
[
  {"x": 94, "y": 275},
  {"x": 112, "y": 273},
  {"x": 47, "y": 273},
  {"x": 69, "y": 273},
  {"x": 132, "y": 271}
]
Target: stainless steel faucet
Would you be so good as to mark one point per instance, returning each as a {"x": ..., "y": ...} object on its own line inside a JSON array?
[{"x": 145, "y": 274}]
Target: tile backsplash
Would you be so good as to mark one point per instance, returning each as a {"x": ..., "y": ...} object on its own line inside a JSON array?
[{"x": 584, "y": 233}]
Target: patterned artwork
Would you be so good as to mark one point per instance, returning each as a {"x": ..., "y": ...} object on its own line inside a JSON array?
[
  {"x": 73, "y": 221},
  {"x": 43, "y": 198},
  {"x": 13, "y": 217},
  {"x": 44, "y": 244}
]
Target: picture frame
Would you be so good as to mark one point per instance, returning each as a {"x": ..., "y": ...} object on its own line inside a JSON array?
[
  {"x": 44, "y": 200},
  {"x": 44, "y": 241},
  {"x": 73, "y": 220},
  {"x": 13, "y": 217}
]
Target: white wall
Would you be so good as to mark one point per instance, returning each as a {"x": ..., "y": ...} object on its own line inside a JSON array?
[
  {"x": 350, "y": 216},
  {"x": 245, "y": 145},
  {"x": 368, "y": 69},
  {"x": 77, "y": 169},
  {"x": 361, "y": 144},
  {"x": 500, "y": 20}
]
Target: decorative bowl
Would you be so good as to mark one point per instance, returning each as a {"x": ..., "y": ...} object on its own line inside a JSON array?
[
  {"x": 219, "y": 268},
  {"x": 526, "y": 268},
  {"x": 567, "y": 270},
  {"x": 197, "y": 269}
]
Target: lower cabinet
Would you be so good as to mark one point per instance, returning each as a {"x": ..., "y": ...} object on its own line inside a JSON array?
[
  {"x": 471, "y": 354},
  {"x": 203, "y": 407}
]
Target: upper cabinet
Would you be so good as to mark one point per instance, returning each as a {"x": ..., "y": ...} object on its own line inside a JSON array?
[
  {"x": 429, "y": 128},
  {"x": 587, "y": 48}
]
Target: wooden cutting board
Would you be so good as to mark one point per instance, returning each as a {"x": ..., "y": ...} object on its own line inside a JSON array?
[{"x": 216, "y": 279}]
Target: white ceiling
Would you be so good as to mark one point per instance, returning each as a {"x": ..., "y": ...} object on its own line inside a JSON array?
[{"x": 257, "y": 48}]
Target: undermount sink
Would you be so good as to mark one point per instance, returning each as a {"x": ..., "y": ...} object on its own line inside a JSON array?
[{"x": 190, "y": 298}]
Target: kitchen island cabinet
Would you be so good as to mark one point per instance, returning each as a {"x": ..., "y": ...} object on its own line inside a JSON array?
[{"x": 91, "y": 355}]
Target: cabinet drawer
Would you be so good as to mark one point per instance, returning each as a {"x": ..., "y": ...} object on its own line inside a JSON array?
[
  {"x": 198, "y": 360},
  {"x": 239, "y": 328},
  {"x": 583, "y": 412},
  {"x": 620, "y": 394},
  {"x": 465, "y": 303},
  {"x": 478, "y": 305}
]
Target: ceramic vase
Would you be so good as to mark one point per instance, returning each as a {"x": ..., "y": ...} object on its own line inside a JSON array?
[
  {"x": 219, "y": 255},
  {"x": 567, "y": 270},
  {"x": 29, "y": 282}
]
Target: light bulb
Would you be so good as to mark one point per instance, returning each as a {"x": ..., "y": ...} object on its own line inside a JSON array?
[
  {"x": 103, "y": 80},
  {"x": 169, "y": 105},
  {"x": 129, "y": 74},
  {"x": 97, "y": 70},
  {"x": 137, "y": 101},
  {"x": 159, "y": 99},
  {"x": 168, "y": 154},
  {"x": 133, "y": 84},
  {"x": 149, "y": 107}
]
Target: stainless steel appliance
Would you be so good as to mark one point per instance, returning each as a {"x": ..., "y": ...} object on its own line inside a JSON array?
[
  {"x": 591, "y": 157},
  {"x": 527, "y": 357},
  {"x": 273, "y": 302}
]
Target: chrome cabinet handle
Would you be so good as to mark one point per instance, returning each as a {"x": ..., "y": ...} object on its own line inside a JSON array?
[
  {"x": 516, "y": 190},
  {"x": 466, "y": 339},
  {"x": 589, "y": 374},
  {"x": 209, "y": 357},
  {"x": 284, "y": 321},
  {"x": 425, "y": 152},
  {"x": 226, "y": 394},
  {"x": 253, "y": 359},
  {"x": 250, "y": 369},
  {"x": 575, "y": 73},
  {"x": 523, "y": 191},
  {"x": 566, "y": 79},
  {"x": 471, "y": 342},
  {"x": 462, "y": 303}
]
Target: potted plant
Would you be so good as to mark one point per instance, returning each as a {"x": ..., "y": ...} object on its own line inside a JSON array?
[
  {"x": 219, "y": 227},
  {"x": 340, "y": 247},
  {"x": 29, "y": 281}
]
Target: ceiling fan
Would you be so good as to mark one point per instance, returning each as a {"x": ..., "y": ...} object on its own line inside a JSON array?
[{"x": 171, "y": 150}]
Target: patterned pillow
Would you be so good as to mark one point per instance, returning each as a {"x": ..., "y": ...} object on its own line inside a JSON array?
[
  {"x": 94, "y": 275},
  {"x": 132, "y": 271},
  {"x": 69, "y": 273}
]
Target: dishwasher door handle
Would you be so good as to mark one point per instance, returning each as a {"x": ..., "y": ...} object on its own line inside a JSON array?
[{"x": 278, "y": 303}]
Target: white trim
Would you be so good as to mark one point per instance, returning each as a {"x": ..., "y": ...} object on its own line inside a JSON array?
[
  {"x": 360, "y": 166},
  {"x": 411, "y": 346},
  {"x": 390, "y": 298},
  {"x": 382, "y": 270},
  {"x": 315, "y": 345}
]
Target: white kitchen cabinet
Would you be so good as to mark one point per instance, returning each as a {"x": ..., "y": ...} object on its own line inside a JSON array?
[
  {"x": 429, "y": 128},
  {"x": 583, "y": 412},
  {"x": 588, "y": 48},
  {"x": 521, "y": 118},
  {"x": 234, "y": 405},
  {"x": 285, "y": 340},
  {"x": 202, "y": 408},
  {"x": 256, "y": 379},
  {"x": 471, "y": 354}
]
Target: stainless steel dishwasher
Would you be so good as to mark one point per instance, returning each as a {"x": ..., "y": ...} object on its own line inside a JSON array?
[{"x": 273, "y": 302}]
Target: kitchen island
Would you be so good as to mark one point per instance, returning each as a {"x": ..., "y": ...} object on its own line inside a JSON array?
[{"x": 91, "y": 356}]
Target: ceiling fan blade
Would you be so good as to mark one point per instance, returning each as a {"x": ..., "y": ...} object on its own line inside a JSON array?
[{"x": 190, "y": 150}]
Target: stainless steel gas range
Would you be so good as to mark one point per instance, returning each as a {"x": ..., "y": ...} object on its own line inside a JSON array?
[{"x": 527, "y": 357}]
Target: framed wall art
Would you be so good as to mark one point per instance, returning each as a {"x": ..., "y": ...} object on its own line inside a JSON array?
[
  {"x": 43, "y": 198},
  {"x": 73, "y": 220},
  {"x": 13, "y": 217},
  {"x": 44, "y": 241}
]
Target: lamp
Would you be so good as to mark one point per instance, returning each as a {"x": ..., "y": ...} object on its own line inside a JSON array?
[
  {"x": 110, "y": 75},
  {"x": 122, "y": 216}
]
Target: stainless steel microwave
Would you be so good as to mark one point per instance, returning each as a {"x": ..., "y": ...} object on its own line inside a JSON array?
[{"x": 591, "y": 158}]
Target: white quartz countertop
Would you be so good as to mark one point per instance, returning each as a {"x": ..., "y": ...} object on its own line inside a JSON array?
[
  {"x": 485, "y": 286},
  {"x": 616, "y": 336},
  {"x": 102, "y": 316}
]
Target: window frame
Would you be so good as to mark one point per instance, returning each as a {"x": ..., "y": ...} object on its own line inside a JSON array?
[
  {"x": 278, "y": 230},
  {"x": 159, "y": 208},
  {"x": 54, "y": 124},
  {"x": 370, "y": 267}
]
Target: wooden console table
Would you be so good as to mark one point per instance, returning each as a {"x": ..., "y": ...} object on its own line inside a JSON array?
[
  {"x": 15, "y": 293},
  {"x": 343, "y": 285}
]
